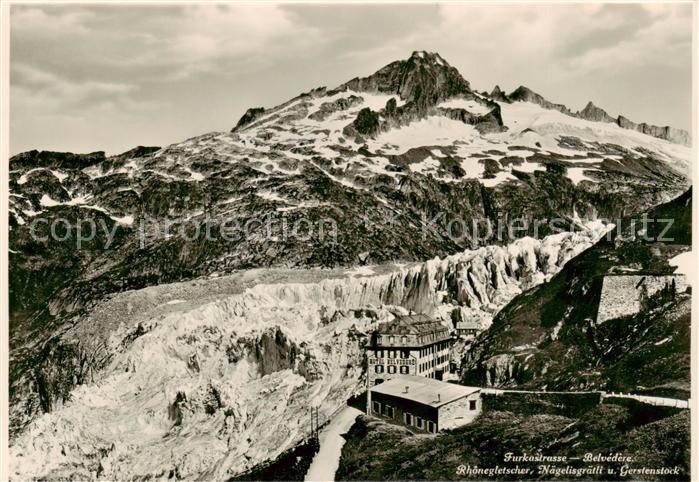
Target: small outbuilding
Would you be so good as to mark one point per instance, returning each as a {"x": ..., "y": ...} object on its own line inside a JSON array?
[
  {"x": 424, "y": 403},
  {"x": 468, "y": 327}
]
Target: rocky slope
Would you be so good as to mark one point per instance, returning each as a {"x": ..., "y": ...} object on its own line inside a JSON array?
[
  {"x": 183, "y": 379},
  {"x": 548, "y": 338}
]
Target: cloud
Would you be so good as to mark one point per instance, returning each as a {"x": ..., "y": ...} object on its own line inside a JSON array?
[
  {"x": 664, "y": 40},
  {"x": 32, "y": 77},
  {"x": 46, "y": 94},
  {"x": 211, "y": 37},
  {"x": 47, "y": 21},
  {"x": 575, "y": 38}
]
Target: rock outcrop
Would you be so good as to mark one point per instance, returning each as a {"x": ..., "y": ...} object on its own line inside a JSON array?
[
  {"x": 678, "y": 136},
  {"x": 44, "y": 159},
  {"x": 326, "y": 109},
  {"x": 593, "y": 113},
  {"x": 498, "y": 95},
  {"x": 252, "y": 114},
  {"x": 525, "y": 94},
  {"x": 423, "y": 79}
]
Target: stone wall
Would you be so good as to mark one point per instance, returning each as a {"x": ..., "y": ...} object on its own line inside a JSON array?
[
  {"x": 621, "y": 297},
  {"x": 458, "y": 412}
]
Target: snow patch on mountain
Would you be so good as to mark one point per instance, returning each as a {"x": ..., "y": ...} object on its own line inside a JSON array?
[
  {"x": 431, "y": 131},
  {"x": 470, "y": 105},
  {"x": 577, "y": 175},
  {"x": 686, "y": 265}
]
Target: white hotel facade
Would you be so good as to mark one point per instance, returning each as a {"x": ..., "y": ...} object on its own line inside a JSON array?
[{"x": 408, "y": 345}]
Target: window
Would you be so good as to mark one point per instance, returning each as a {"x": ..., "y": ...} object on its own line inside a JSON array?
[
  {"x": 472, "y": 404},
  {"x": 404, "y": 340},
  {"x": 430, "y": 426},
  {"x": 392, "y": 354},
  {"x": 404, "y": 370},
  {"x": 389, "y": 411},
  {"x": 419, "y": 422},
  {"x": 379, "y": 368},
  {"x": 391, "y": 339},
  {"x": 404, "y": 353},
  {"x": 380, "y": 353},
  {"x": 408, "y": 419},
  {"x": 391, "y": 369},
  {"x": 376, "y": 407}
]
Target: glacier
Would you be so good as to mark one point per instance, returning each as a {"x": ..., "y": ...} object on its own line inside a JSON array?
[{"x": 210, "y": 386}]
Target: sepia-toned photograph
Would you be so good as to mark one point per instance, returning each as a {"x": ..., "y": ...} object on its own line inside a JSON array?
[{"x": 347, "y": 241}]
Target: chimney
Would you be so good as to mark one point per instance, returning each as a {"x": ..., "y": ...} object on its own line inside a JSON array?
[
  {"x": 439, "y": 397},
  {"x": 406, "y": 389}
]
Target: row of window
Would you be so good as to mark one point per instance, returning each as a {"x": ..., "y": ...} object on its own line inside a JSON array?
[
  {"x": 440, "y": 360},
  {"x": 408, "y": 418},
  {"x": 390, "y": 339},
  {"x": 393, "y": 353},
  {"x": 418, "y": 422},
  {"x": 404, "y": 370},
  {"x": 434, "y": 349},
  {"x": 433, "y": 336}
]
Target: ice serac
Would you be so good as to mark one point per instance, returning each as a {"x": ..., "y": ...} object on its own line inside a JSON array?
[{"x": 189, "y": 392}]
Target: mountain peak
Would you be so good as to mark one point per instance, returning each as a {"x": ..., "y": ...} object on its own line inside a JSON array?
[
  {"x": 525, "y": 94},
  {"x": 593, "y": 113},
  {"x": 429, "y": 57},
  {"x": 425, "y": 78},
  {"x": 498, "y": 94}
]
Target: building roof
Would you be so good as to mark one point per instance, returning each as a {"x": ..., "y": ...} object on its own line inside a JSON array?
[
  {"x": 411, "y": 325},
  {"x": 426, "y": 391},
  {"x": 468, "y": 325}
]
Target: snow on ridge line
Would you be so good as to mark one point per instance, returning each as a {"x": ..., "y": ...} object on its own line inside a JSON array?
[
  {"x": 470, "y": 105},
  {"x": 520, "y": 116}
]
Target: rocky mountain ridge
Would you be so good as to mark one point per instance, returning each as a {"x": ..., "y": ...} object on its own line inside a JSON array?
[{"x": 593, "y": 113}]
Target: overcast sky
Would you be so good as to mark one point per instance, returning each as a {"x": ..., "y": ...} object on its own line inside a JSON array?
[{"x": 86, "y": 78}]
